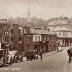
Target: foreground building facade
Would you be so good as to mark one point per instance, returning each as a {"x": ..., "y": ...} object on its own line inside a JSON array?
[{"x": 39, "y": 40}]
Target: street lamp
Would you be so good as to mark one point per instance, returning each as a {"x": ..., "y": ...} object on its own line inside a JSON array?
[
  {"x": 54, "y": 48},
  {"x": 44, "y": 47}
]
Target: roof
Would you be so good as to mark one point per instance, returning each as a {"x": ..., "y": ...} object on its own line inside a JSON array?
[
  {"x": 58, "y": 21},
  {"x": 3, "y": 20},
  {"x": 58, "y": 28},
  {"x": 33, "y": 31}
]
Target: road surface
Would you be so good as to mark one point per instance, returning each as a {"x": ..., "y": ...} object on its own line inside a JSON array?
[{"x": 57, "y": 62}]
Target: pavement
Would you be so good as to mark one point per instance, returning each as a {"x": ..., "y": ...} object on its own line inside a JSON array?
[{"x": 49, "y": 53}]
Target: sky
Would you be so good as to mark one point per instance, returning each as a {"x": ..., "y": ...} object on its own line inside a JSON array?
[{"x": 39, "y": 8}]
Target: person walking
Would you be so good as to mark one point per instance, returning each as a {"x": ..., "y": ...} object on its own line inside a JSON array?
[
  {"x": 40, "y": 53},
  {"x": 36, "y": 52},
  {"x": 69, "y": 51}
]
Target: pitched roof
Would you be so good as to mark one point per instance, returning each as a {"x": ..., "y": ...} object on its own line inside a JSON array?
[{"x": 33, "y": 31}]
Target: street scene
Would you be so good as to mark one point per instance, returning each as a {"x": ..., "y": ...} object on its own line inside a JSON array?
[
  {"x": 35, "y": 36},
  {"x": 52, "y": 62}
]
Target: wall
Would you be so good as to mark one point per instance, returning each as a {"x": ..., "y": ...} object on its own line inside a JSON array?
[
  {"x": 28, "y": 42},
  {"x": 51, "y": 41}
]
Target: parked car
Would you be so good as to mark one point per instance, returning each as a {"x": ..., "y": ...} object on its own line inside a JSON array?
[
  {"x": 18, "y": 57},
  {"x": 6, "y": 58},
  {"x": 11, "y": 56},
  {"x": 30, "y": 55},
  {"x": 2, "y": 58}
]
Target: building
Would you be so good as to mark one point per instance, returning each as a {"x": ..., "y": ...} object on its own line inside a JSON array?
[
  {"x": 39, "y": 40},
  {"x": 64, "y": 35}
]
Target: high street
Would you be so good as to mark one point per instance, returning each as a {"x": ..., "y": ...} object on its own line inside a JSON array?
[{"x": 56, "y": 62}]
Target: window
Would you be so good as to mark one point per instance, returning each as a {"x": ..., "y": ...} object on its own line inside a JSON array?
[
  {"x": 11, "y": 31},
  {"x": 38, "y": 38},
  {"x": 25, "y": 31},
  {"x": 46, "y": 38},
  {"x": 35, "y": 38},
  {"x": 43, "y": 37},
  {"x": 50, "y": 37},
  {"x": 65, "y": 34},
  {"x": 59, "y": 33}
]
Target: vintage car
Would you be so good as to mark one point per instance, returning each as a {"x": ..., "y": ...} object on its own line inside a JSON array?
[
  {"x": 30, "y": 55},
  {"x": 11, "y": 56},
  {"x": 18, "y": 57},
  {"x": 2, "y": 58},
  {"x": 6, "y": 58}
]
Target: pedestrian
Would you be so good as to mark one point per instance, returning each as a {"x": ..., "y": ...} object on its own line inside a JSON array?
[
  {"x": 40, "y": 53},
  {"x": 36, "y": 54},
  {"x": 69, "y": 51}
]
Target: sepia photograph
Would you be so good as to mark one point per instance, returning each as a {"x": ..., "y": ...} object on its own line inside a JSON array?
[{"x": 35, "y": 35}]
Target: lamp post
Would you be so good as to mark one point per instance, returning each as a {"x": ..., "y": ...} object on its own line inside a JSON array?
[
  {"x": 24, "y": 39},
  {"x": 44, "y": 47},
  {"x": 54, "y": 44}
]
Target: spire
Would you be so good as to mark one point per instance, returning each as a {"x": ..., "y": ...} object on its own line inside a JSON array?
[{"x": 28, "y": 11}]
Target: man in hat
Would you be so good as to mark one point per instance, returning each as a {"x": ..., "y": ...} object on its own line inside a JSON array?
[{"x": 69, "y": 51}]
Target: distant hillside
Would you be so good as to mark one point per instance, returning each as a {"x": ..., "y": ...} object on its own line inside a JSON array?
[
  {"x": 38, "y": 22},
  {"x": 62, "y": 21}
]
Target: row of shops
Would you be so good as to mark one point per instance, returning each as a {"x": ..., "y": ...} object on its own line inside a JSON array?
[{"x": 39, "y": 40}]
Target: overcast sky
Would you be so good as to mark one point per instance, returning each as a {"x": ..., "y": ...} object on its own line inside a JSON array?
[{"x": 40, "y": 8}]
